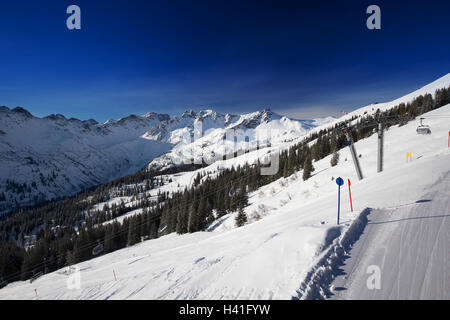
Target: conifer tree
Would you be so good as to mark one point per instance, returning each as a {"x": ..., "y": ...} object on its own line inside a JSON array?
[
  {"x": 108, "y": 247},
  {"x": 241, "y": 218},
  {"x": 307, "y": 168},
  {"x": 192, "y": 223},
  {"x": 133, "y": 234},
  {"x": 201, "y": 212},
  {"x": 70, "y": 258},
  {"x": 181, "y": 222},
  {"x": 334, "y": 159}
]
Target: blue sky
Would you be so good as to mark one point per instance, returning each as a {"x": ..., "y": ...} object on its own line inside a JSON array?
[{"x": 300, "y": 59}]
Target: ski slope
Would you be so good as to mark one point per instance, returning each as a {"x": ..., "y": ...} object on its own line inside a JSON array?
[
  {"x": 409, "y": 243},
  {"x": 287, "y": 252}
]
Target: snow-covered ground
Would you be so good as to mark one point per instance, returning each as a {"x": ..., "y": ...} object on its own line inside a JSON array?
[
  {"x": 409, "y": 244},
  {"x": 287, "y": 252}
]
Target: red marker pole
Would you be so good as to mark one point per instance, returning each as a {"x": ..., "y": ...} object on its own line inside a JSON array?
[
  {"x": 114, "y": 272},
  {"x": 449, "y": 139},
  {"x": 350, "y": 194}
]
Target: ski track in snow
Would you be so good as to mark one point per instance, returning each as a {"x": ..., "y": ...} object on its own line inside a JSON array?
[{"x": 410, "y": 244}]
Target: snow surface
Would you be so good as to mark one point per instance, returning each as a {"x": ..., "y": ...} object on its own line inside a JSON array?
[
  {"x": 287, "y": 252},
  {"x": 410, "y": 245}
]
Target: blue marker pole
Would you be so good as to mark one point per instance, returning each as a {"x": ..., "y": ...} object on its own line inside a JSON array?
[
  {"x": 339, "y": 202},
  {"x": 339, "y": 182}
]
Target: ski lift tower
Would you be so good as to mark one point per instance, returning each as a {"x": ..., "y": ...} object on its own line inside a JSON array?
[
  {"x": 354, "y": 156},
  {"x": 380, "y": 146}
]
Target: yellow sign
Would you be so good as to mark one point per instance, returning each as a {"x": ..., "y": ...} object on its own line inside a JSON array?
[{"x": 409, "y": 154}]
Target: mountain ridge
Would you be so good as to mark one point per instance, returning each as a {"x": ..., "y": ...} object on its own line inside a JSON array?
[
  {"x": 51, "y": 157},
  {"x": 47, "y": 158}
]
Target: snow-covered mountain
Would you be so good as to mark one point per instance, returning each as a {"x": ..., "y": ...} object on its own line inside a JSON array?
[
  {"x": 292, "y": 246},
  {"x": 209, "y": 135},
  {"x": 52, "y": 157}
]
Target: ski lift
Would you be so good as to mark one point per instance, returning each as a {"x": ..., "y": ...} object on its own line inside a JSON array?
[
  {"x": 162, "y": 227},
  {"x": 97, "y": 249},
  {"x": 37, "y": 275},
  {"x": 233, "y": 192},
  {"x": 423, "y": 128}
]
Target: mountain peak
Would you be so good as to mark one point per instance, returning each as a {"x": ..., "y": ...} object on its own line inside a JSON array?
[
  {"x": 56, "y": 117},
  {"x": 150, "y": 114},
  {"x": 91, "y": 122},
  {"x": 188, "y": 113},
  {"x": 22, "y": 111},
  {"x": 267, "y": 114},
  {"x": 153, "y": 115}
]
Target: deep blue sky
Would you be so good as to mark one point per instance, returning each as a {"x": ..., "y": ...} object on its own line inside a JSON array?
[{"x": 297, "y": 58}]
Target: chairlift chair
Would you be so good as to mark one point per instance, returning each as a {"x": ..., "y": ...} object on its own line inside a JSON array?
[
  {"x": 35, "y": 276},
  {"x": 162, "y": 227},
  {"x": 232, "y": 192},
  {"x": 97, "y": 249},
  {"x": 423, "y": 128}
]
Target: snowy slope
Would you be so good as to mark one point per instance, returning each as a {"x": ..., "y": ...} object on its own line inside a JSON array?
[
  {"x": 406, "y": 236},
  {"x": 285, "y": 253},
  {"x": 443, "y": 82},
  {"x": 409, "y": 243}
]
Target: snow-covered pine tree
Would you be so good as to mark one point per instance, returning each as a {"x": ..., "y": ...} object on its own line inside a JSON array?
[{"x": 334, "y": 159}]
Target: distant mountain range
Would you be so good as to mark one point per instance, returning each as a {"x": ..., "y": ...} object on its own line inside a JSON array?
[
  {"x": 52, "y": 157},
  {"x": 47, "y": 158},
  {"x": 202, "y": 135}
]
